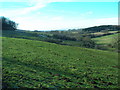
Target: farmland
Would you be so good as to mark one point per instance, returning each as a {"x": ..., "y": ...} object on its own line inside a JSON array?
[
  {"x": 39, "y": 64},
  {"x": 106, "y": 39},
  {"x": 107, "y": 42}
]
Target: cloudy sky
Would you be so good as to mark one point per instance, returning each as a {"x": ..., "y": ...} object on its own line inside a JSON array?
[{"x": 59, "y": 14}]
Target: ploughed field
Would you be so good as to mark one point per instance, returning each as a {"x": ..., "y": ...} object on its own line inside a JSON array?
[{"x": 37, "y": 64}]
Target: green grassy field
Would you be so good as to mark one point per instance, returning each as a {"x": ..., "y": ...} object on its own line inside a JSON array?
[
  {"x": 37, "y": 64},
  {"x": 106, "y": 39}
]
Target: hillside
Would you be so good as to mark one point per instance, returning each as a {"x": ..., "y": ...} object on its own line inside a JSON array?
[
  {"x": 38, "y": 64},
  {"x": 70, "y": 38},
  {"x": 102, "y": 27},
  {"x": 109, "y": 39}
]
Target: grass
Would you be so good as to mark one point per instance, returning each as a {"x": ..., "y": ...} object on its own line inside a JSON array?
[
  {"x": 106, "y": 39},
  {"x": 37, "y": 64}
]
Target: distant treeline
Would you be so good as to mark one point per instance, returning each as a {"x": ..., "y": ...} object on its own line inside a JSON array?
[{"x": 102, "y": 27}]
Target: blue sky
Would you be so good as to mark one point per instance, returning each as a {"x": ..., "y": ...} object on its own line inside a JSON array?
[{"x": 53, "y": 15}]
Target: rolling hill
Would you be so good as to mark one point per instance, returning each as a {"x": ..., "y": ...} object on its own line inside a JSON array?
[
  {"x": 38, "y": 64},
  {"x": 109, "y": 39}
]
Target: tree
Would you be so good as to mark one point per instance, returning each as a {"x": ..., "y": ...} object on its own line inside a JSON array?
[
  {"x": 87, "y": 42},
  {"x": 8, "y": 24}
]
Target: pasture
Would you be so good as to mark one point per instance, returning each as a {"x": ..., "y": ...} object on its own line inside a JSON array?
[{"x": 38, "y": 64}]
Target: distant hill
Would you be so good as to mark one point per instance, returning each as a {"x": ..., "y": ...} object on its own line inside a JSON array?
[{"x": 102, "y": 27}]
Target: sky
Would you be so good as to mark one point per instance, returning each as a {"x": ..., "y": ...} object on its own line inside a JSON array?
[{"x": 60, "y": 14}]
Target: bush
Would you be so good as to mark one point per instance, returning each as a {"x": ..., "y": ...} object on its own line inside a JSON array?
[
  {"x": 53, "y": 41},
  {"x": 63, "y": 37},
  {"x": 87, "y": 42}
]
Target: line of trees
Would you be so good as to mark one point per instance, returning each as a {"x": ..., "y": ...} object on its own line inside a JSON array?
[
  {"x": 102, "y": 27},
  {"x": 63, "y": 37},
  {"x": 7, "y": 24}
]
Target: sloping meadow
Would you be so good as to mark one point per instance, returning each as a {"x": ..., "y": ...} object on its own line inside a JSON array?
[{"x": 37, "y": 64}]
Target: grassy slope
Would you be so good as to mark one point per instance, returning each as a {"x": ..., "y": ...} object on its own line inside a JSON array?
[
  {"x": 106, "y": 39},
  {"x": 34, "y": 64}
]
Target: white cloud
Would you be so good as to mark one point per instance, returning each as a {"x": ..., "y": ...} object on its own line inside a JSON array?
[
  {"x": 24, "y": 11},
  {"x": 108, "y": 21},
  {"x": 28, "y": 23},
  {"x": 58, "y": 18},
  {"x": 30, "y": 9},
  {"x": 38, "y": 4},
  {"x": 97, "y": 22},
  {"x": 86, "y": 13},
  {"x": 35, "y": 5}
]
